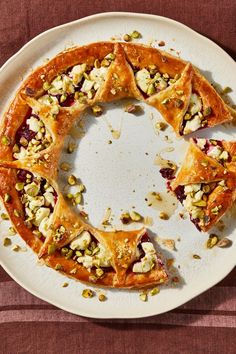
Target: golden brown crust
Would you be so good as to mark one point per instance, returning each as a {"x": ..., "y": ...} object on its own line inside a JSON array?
[
  {"x": 200, "y": 168},
  {"x": 167, "y": 101}
]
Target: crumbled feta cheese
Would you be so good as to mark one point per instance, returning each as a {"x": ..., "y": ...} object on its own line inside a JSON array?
[
  {"x": 41, "y": 213},
  {"x": 87, "y": 85},
  {"x": 21, "y": 154},
  {"x": 201, "y": 143},
  {"x": 36, "y": 202},
  {"x": 81, "y": 241},
  {"x": 44, "y": 225},
  {"x": 143, "y": 79},
  {"x": 48, "y": 100},
  {"x": 33, "y": 124},
  {"x": 195, "y": 104},
  {"x": 103, "y": 257},
  {"x": 192, "y": 188},
  {"x": 67, "y": 84},
  {"x": 160, "y": 83},
  {"x": 224, "y": 155},
  {"x": 192, "y": 125},
  {"x": 86, "y": 260},
  {"x": 49, "y": 199},
  {"x": 77, "y": 73},
  {"x": 98, "y": 76},
  {"x": 147, "y": 262},
  {"x": 214, "y": 151}
]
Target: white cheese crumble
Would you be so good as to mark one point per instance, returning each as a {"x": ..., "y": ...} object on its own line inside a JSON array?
[
  {"x": 148, "y": 261},
  {"x": 192, "y": 125},
  {"x": 214, "y": 151},
  {"x": 195, "y": 104},
  {"x": 81, "y": 241},
  {"x": 143, "y": 79}
]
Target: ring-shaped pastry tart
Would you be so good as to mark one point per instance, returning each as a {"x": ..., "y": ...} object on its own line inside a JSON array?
[{"x": 31, "y": 138}]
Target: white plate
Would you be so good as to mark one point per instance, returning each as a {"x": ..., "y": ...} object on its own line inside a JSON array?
[{"x": 112, "y": 172}]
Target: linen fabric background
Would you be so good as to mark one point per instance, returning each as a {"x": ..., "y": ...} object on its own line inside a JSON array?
[{"x": 206, "y": 324}]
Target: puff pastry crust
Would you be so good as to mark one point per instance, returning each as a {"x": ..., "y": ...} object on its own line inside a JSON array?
[
  {"x": 206, "y": 181},
  {"x": 41, "y": 114}
]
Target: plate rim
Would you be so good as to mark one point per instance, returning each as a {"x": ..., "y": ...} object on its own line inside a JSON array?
[{"x": 81, "y": 21}]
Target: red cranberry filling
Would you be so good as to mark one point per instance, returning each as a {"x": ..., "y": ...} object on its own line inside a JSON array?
[
  {"x": 24, "y": 131},
  {"x": 179, "y": 192},
  {"x": 167, "y": 172}
]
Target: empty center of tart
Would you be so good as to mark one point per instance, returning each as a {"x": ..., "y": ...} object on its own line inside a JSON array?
[{"x": 108, "y": 162}]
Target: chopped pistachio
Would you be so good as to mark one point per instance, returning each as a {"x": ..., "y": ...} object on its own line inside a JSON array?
[
  {"x": 196, "y": 256},
  {"x": 64, "y": 166},
  {"x": 64, "y": 251},
  {"x": 71, "y": 147},
  {"x": 11, "y": 231},
  {"x": 216, "y": 209},
  {"x": 212, "y": 241},
  {"x": 4, "y": 216},
  {"x": 63, "y": 97},
  {"x": 224, "y": 242},
  {"x": 23, "y": 141},
  {"x": 187, "y": 116},
  {"x": 154, "y": 291},
  {"x": 7, "y": 198},
  {"x": 69, "y": 254},
  {"x": 136, "y": 35},
  {"x": 180, "y": 92},
  {"x": 206, "y": 188},
  {"x": 163, "y": 215},
  {"x": 5, "y": 140},
  {"x": 97, "y": 110},
  {"x": 19, "y": 186},
  {"x": 77, "y": 198},
  {"x": 72, "y": 180},
  {"x": 161, "y": 126},
  {"x": 226, "y": 90},
  {"x": 127, "y": 38},
  {"x": 16, "y": 213},
  {"x": 81, "y": 188},
  {"x": 165, "y": 101},
  {"x": 200, "y": 203},
  {"x": 87, "y": 293},
  {"x": 16, "y": 248},
  {"x": 157, "y": 196},
  {"x": 58, "y": 266},
  {"x": 125, "y": 218},
  {"x": 143, "y": 297},
  {"x": 110, "y": 56},
  {"x": 16, "y": 148},
  {"x": 102, "y": 297},
  {"x": 6, "y": 242},
  {"x": 46, "y": 86},
  {"x": 135, "y": 216},
  {"x": 207, "y": 111},
  {"x": 78, "y": 253},
  {"x": 151, "y": 90},
  {"x": 132, "y": 108},
  {"x": 64, "y": 285},
  {"x": 51, "y": 249},
  {"x": 99, "y": 272}
]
